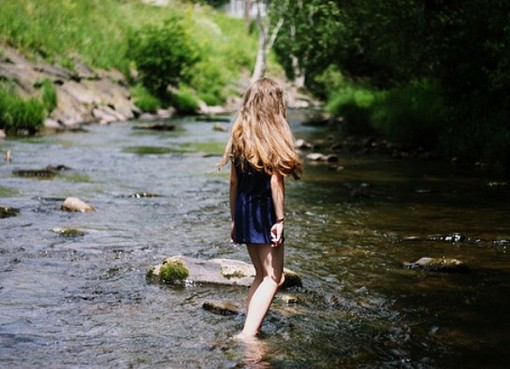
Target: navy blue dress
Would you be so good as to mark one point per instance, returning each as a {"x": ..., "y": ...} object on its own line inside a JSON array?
[{"x": 254, "y": 213}]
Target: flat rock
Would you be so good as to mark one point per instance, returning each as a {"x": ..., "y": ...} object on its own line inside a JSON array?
[{"x": 217, "y": 271}]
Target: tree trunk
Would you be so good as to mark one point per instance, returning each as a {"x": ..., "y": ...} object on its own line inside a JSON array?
[
  {"x": 260, "y": 63},
  {"x": 266, "y": 42},
  {"x": 247, "y": 17}
]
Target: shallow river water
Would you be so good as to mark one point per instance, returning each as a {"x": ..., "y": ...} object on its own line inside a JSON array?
[{"x": 84, "y": 302}]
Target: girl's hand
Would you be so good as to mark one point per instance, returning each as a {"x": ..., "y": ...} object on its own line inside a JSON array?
[{"x": 277, "y": 234}]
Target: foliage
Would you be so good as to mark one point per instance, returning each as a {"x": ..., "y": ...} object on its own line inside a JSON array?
[
  {"x": 413, "y": 115},
  {"x": 97, "y": 32},
  {"x": 143, "y": 99},
  {"x": 225, "y": 51},
  {"x": 163, "y": 54},
  {"x": 62, "y": 31},
  {"x": 49, "y": 95},
  {"x": 355, "y": 105},
  {"x": 462, "y": 46},
  {"x": 17, "y": 114},
  {"x": 184, "y": 101}
]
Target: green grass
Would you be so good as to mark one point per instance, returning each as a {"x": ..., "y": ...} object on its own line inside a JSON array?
[
  {"x": 412, "y": 116},
  {"x": 144, "y": 99},
  {"x": 96, "y": 32},
  {"x": 18, "y": 114}
]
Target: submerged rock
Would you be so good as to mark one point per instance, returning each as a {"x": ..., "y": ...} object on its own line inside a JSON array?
[
  {"x": 220, "y": 127},
  {"x": 156, "y": 126},
  {"x": 48, "y": 172},
  {"x": 68, "y": 232},
  {"x": 216, "y": 271},
  {"x": 439, "y": 265},
  {"x": 222, "y": 307},
  {"x": 74, "y": 204},
  {"x": 139, "y": 195},
  {"x": 6, "y": 212}
]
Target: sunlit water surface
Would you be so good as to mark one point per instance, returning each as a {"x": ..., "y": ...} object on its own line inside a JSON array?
[{"x": 84, "y": 302}]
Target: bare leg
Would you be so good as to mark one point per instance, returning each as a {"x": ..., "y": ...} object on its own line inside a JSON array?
[
  {"x": 268, "y": 262},
  {"x": 259, "y": 272}
]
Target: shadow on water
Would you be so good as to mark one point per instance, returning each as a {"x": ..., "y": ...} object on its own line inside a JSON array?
[{"x": 84, "y": 301}]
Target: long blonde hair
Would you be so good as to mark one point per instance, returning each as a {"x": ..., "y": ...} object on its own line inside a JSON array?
[{"x": 261, "y": 135}]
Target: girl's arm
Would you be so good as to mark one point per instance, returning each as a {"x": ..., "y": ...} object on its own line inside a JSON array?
[
  {"x": 278, "y": 194},
  {"x": 233, "y": 195}
]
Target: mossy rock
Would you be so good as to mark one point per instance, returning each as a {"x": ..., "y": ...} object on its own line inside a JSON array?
[
  {"x": 216, "y": 271},
  {"x": 6, "y": 212},
  {"x": 169, "y": 272}
]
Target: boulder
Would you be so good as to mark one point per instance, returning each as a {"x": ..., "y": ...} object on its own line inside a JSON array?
[
  {"x": 74, "y": 204},
  {"x": 439, "y": 265},
  {"x": 188, "y": 270}
]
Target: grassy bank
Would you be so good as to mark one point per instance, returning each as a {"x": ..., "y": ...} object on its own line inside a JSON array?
[{"x": 96, "y": 33}]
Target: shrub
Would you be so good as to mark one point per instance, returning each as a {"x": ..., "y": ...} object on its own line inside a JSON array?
[
  {"x": 355, "y": 105},
  {"x": 184, "y": 101},
  {"x": 144, "y": 99},
  {"x": 413, "y": 115},
  {"x": 162, "y": 54},
  {"x": 17, "y": 114}
]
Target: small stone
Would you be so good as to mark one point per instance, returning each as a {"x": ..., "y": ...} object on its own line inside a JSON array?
[
  {"x": 74, "y": 204},
  {"x": 302, "y": 144},
  {"x": 289, "y": 299},
  {"x": 68, "y": 232},
  {"x": 315, "y": 156}
]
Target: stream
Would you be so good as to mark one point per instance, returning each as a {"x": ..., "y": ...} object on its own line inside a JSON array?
[{"x": 84, "y": 301}]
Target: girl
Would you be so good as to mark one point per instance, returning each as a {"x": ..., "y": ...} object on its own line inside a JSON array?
[{"x": 261, "y": 149}]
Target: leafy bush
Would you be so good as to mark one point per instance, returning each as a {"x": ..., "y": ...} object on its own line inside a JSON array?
[
  {"x": 162, "y": 54},
  {"x": 184, "y": 101},
  {"x": 144, "y": 99},
  {"x": 355, "y": 105},
  {"x": 17, "y": 114},
  {"x": 413, "y": 115}
]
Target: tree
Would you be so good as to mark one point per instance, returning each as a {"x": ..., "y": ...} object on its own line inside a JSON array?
[
  {"x": 162, "y": 54},
  {"x": 268, "y": 31}
]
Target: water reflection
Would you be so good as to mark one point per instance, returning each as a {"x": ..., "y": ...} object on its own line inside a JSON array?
[{"x": 254, "y": 351}]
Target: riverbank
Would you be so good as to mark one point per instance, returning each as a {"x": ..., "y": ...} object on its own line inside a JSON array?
[{"x": 87, "y": 95}]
